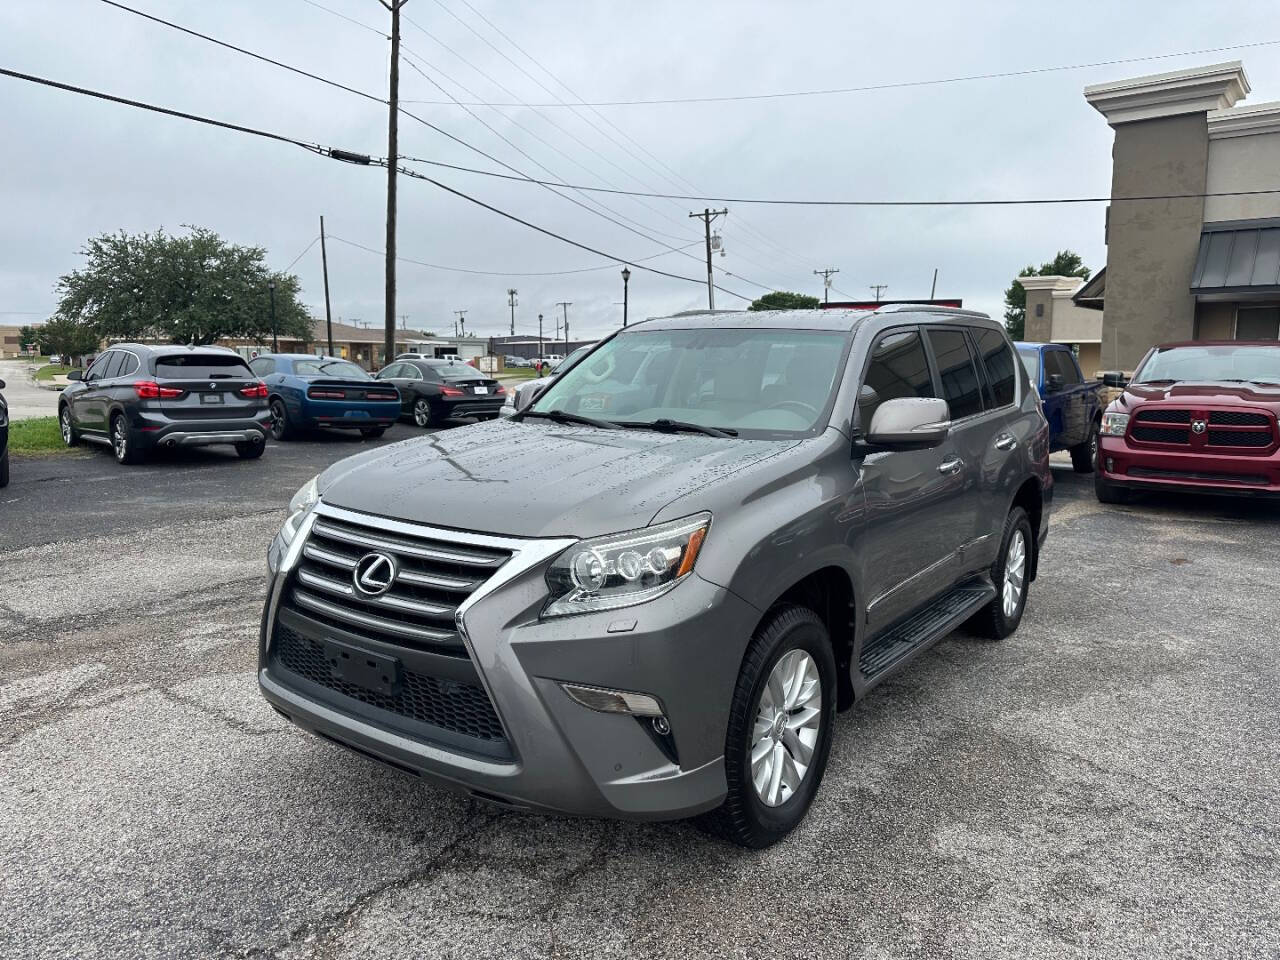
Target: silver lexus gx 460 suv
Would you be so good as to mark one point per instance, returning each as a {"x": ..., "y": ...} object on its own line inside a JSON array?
[{"x": 647, "y": 594}]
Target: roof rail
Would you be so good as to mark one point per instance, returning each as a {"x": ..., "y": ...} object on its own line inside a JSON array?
[{"x": 931, "y": 308}]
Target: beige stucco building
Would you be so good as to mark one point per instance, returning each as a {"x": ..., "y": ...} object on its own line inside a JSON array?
[
  {"x": 1053, "y": 316},
  {"x": 1193, "y": 238}
]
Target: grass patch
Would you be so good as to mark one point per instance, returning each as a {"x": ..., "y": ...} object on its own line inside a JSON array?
[
  {"x": 519, "y": 373},
  {"x": 50, "y": 370},
  {"x": 37, "y": 435}
]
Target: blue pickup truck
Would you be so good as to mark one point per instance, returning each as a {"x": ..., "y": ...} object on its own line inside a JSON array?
[{"x": 1071, "y": 403}]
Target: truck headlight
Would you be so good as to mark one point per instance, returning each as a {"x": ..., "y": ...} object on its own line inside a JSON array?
[
  {"x": 1114, "y": 424},
  {"x": 306, "y": 498},
  {"x": 624, "y": 569}
]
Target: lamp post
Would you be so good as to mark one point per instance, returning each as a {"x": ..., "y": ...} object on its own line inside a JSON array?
[
  {"x": 626, "y": 278},
  {"x": 275, "y": 339}
]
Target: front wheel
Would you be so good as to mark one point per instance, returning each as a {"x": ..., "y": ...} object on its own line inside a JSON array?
[
  {"x": 1011, "y": 576},
  {"x": 70, "y": 435},
  {"x": 1084, "y": 456},
  {"x": 780, "y": 725}
]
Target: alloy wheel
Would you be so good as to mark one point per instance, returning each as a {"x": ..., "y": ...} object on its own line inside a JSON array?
[
  {"x": 119, "y": 439},
  {"x": 278, "y": 421},
  {"x": 422, "y": 413},
  {"x": 1015, "y": 565},
  {"x": 786, "y": 730},
  {"x": 64, "y": 421}
]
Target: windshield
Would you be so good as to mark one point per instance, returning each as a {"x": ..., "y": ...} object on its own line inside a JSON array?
[
  {"x": 1226, "y": 361},
  {"x": 330, "y": 368},
  {"x": 749, "y": 381},
  {"x": 1031, "y": 360}
]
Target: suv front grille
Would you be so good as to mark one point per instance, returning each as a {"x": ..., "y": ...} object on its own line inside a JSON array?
[
  {"x": 1161, "y": 415},
  {"x": 1237, "y": 418},
  {"x": 1236, "y": 430},
  {"x": 1239, "y": 438},
  {"x": 433, "y": 577},
  {"x": 444, "y": 703},
  {"x": 1162, "y": 434}
]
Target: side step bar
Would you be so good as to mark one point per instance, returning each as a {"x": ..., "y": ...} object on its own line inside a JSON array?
[{"x": 883, "y": 652}]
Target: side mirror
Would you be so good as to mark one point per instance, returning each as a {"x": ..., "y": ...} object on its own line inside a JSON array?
[
  {"x": 910, "y": 422},
  {"x": 1054, "y": 383},
  {"x": 75, "y": 375},
  {"x": 1, "y": 384},
  {"x": 1114, "y": 378}
]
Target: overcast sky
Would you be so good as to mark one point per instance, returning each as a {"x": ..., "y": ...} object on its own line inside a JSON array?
[{"x": 73, "y": 167}]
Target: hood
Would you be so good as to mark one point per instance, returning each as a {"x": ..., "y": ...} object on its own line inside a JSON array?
[
  {"x": 1211, "y": 392},
  {"x": 537, "y": 478}
]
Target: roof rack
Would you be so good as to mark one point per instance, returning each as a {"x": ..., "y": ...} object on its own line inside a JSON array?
[{"x": 930, "y": 308}]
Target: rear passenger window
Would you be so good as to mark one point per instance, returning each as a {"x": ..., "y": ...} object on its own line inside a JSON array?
[
  {"x": 997, "y": 360},
  {"x": 899, "y": 368},
  {"x": 262, "y": 366},
  {"x": 198, "y": 366},
  {"x": 958, "y": 374}
]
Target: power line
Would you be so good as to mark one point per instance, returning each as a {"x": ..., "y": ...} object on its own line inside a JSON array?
[
  {"x": 343, "y": 16},
  {"x": 892, "y": 85},
  {"x": 495, "y": 273},
  {"x": 355, "y": 158},
  {"x": 302, "y": 254},
  {"x": 775, "y": 201}
]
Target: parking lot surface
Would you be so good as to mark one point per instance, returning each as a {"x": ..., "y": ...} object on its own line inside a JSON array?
[{"x": 1104, "y": 783}]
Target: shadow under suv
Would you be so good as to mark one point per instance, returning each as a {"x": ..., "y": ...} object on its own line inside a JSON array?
[
  {"x": 136, "y": 398},
  {"x": 647, "y": 594}
]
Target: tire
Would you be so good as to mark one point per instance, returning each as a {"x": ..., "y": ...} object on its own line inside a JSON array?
[
  {"x": 1084, "y": 456},
  {"x": 281, "y": 428},
  {"x": 70, "y": 435},
  {"x": 759, "y": 817},
  {"x": 250, "y": 451},
  {"x": 4, "y": 469},
  {"x": 1108, "y": 492},
  {"x": 373, "y": 433},
  {"x": 423, "y": 415},
  {"x": 1009, "y": 573},
  {"x": 123, "y": 443}
]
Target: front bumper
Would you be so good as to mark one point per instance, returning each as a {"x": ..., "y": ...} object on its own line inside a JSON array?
[
  {"x": 684, "y": 648},
  {"x": 1123, "y": 464}
]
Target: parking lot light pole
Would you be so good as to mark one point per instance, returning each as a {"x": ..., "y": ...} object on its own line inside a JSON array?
[
  {"x": 626, "y": 278},
  {"x": 275, "y": 339}
]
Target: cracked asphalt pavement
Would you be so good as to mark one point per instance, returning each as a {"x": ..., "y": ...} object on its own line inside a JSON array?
[{"x": 1105, "y": 783}]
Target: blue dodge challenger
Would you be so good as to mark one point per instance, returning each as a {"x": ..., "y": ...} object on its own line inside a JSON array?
[{"x": 305, "y": 392}]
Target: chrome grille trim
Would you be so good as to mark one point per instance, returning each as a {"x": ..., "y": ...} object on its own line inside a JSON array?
[
  {"x": 371, "y": 542},
  {"x": 368, "y": 621},
  {"x": 387, "y": 600}
]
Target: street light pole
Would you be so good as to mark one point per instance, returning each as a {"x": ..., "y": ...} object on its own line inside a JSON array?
[
  {"x": 626, "y": 279},
  {"x": 511, "y": 299},
  {"x": 275, "y": 339}
]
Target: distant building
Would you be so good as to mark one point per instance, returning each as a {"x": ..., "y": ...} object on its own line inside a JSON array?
[
  {"x": 1054, "y": 316},
  {"x": 1201, "y": 259},
  {"x": 10, "y": 341}
]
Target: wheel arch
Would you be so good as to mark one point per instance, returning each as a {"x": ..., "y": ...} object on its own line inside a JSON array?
[{"x": 829, "y": 592}]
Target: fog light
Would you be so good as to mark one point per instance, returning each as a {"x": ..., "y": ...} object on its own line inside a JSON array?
[
  {"x": 614, "y": 701},
  {"x": 661, "y": 727},
  {"x": 1111, "y": 465}
]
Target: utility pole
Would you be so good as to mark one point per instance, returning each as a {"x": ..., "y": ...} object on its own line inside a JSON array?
[
  {"x": 393, "y": 151},
  {"x": 462, "y": 319},
  {"x": 511, "y": 299},
  {"x": 275, "y": 339},
  {"x": 565, "y": 305},
  {"x": 877, "y": 287},
  {"x": 706, "y": 216},
  {"x": 324, "y": 264},
  {"x": 826, "y": 282}
]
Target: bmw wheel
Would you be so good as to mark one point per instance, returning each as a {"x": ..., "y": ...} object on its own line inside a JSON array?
[
  {"x": 780, "y": 727},
  {"x": 70, "y": 435},
  {"x": 122, "y": 441}
]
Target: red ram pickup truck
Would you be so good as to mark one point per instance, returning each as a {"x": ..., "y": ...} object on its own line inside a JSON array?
[{"x": 1198, "y": 417}]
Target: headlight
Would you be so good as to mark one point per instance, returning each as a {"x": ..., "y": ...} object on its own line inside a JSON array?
[
  {"x": 1114, "y": 424},
  {"x": 302, "y": 501},
  {"x": 626, "y": 568}
]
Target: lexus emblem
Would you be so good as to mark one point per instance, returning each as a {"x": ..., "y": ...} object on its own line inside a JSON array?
[
  {"x": 1197, "y": 426},
  {"x": 374, "y": 574}
]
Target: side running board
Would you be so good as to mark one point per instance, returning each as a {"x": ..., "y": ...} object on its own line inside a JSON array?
[{"x": 934, "y": 622}]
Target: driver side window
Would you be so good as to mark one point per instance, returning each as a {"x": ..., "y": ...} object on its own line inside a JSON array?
[{"x": 898, "y": 368}]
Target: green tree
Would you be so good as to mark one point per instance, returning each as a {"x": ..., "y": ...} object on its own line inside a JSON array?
[
  {"x": 1065, "y": 264},
  {"x": 193, "y": 289},
  {"x": 68, "y": 337},
  {"x": 784, "y": 300},
  {"x": 28, "y": 336}
]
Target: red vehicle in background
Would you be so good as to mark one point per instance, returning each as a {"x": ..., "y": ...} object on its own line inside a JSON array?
[{"x": 1198, "y": 417}]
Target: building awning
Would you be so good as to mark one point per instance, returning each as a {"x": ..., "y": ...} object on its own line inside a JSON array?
[
  {"x": 1241, "y": 256},
  {"x": 1093, "y": 292}
]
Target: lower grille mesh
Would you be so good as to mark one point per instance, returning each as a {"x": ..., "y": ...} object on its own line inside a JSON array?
[{"x": 448, "y": 704}]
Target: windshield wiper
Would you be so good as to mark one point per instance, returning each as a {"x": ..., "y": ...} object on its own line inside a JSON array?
[
  {"x": 679, "y": 426},
  {"x": 564, "y": 416}
]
